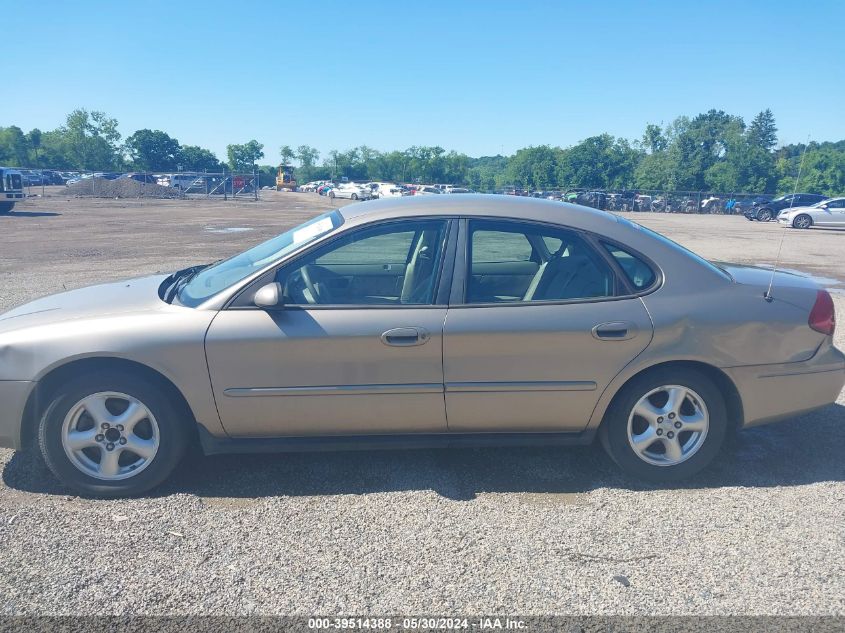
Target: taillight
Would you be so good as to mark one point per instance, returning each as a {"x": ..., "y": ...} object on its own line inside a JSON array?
[{"x": 823, "y": 315}]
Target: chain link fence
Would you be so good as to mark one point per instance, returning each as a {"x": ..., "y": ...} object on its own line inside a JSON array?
[{"x": 140, "y": 184}]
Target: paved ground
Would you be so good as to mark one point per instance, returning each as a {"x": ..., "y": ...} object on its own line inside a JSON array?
[{"x": 532, "y": 531}]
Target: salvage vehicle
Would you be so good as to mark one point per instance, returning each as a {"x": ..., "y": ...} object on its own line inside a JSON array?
[
  {"x": 352, "y": 191},
  {"x": 766, "y": 211},
  {"x": 11, "y": 188},
  {"x": 415, "y": 322},
  {"x": 825, "y": 213}
]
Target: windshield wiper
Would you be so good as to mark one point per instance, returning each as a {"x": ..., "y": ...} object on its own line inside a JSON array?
[
  {"x": 182, "y": 278},
  {"x": 179, "y": 279}
]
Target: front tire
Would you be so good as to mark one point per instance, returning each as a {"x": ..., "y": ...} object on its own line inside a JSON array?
[
  {"x": 665, "y": 425},
  {"x": 111, "y": 434},
  {"x": 354, "y": 196},
  {"x": 802, "y": 221},
  {"x": 331, "y": 195},
  {"x": 764, "y": 215}
]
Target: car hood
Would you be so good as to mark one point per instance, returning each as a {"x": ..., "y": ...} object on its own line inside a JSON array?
[
  {"x": 133, "y": 295},
  {"x": 789, "y": 211}
]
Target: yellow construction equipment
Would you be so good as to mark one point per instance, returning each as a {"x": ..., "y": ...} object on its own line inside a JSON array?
[{"x": 285, "y": 178}]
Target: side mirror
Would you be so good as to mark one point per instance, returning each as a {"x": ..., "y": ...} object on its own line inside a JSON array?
[{"x": 269, "y": 297}]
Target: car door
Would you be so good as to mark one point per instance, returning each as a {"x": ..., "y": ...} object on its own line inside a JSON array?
[
  {"x": 837, "y": 212},
  {"x": 356, "y": 348},
  {"x": 832, "y": 215},
  {"x": 537, "y": 356}
]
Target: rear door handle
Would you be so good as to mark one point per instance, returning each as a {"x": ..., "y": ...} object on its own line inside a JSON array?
[
  {"x": 615, "y": 331},
  {"x": 405, "y": 336}
]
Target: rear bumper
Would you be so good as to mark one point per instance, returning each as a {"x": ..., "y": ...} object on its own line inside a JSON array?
[
  {"x": 774, "y": 392},
  {"x": 13, "y": 397}
]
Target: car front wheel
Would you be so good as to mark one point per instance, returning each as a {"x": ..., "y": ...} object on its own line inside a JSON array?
[
  {"x": 111, "y": 435},
  {"x": 666, "y": 425},
  {"x": 764, "y": 215},
  {"x": 802, "y": 221}
]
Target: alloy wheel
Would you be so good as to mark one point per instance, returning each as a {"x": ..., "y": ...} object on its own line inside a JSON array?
[
  {"x": 802, "y": 222},
  {"x": 110, "y": 436},
  {"x": 668, "y": 425}
]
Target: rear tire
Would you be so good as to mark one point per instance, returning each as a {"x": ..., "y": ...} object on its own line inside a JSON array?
[
  {"x": 6, "y": 207},
  {"x": 686, "y": 438},
  {"x": 106, "y": 431},
  {"x": 802, "y": 221},
  {"x": 354, "y": 196}
]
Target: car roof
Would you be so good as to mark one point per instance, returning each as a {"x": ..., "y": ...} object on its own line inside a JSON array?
[{"x": 481, "y": 205}]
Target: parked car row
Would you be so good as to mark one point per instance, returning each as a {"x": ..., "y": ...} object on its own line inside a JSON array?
[
  {"x": 37, "y": 178},
  {"x": 371, "y": 190},
  {"x": 769, "y": 209}
]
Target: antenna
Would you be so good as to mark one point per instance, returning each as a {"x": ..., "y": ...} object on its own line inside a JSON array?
[{"x": 768, "y": 295}]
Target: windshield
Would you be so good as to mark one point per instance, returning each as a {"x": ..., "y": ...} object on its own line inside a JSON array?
[{"x": 217, "y": 277}]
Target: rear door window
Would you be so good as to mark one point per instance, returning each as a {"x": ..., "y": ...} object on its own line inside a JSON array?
[{"x": 525, "y": 262}]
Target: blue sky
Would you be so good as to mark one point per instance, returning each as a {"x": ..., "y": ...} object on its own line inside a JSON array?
[{"x": 481, "y": 77}]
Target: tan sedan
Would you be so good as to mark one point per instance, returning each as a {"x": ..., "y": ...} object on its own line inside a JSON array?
[{"x": 425, "y": 321}]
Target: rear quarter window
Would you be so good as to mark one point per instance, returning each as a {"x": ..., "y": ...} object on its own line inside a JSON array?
[{"x": 636, "y": 270}]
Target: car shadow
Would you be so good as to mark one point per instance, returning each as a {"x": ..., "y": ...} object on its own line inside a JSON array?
[
  {"x": 804, "y": 450},
  {"x": 31, "y": 214}
]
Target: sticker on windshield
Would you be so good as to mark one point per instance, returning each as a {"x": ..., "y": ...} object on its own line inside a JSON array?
[{"x": 312, "y": 230}]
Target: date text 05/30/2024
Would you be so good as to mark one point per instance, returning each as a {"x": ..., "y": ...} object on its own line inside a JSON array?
[{"x": 420, "y": 623}]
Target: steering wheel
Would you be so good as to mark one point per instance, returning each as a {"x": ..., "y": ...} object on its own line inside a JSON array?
[{"x": 316, "y": 296}]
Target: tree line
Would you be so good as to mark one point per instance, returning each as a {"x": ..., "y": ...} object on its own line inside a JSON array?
[{"x": 713, "y": 151}]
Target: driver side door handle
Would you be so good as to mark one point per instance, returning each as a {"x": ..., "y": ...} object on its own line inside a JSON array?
[{"x": 405, "y": 336}]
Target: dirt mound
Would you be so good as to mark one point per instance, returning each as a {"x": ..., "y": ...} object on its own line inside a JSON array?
[{"x": 120, "y": 188}]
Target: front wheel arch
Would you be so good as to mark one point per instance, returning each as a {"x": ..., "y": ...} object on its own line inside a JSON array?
[{"x": 40, "y": 397}]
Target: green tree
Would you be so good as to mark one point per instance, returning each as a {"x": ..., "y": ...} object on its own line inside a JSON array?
[
  {"x": 599, "y": 162},
  {"x": 33, "y": 139},
  {"x": 243, "y": 157},
  {"x": 193, "y": 158},
  {"x": 90, "y": 140},
  {"x": 287, "y": 154},
  {"x": 14, "y": 146},
  {"x": 762, "y": 132},
  {"x": 152, "y": 150},
  {"x": 533, "y": 168},
  {"x": 653, "y": 139},
  {"x": 307, "y": 156}
]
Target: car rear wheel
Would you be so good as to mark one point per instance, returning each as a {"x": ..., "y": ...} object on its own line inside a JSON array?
[
  {"x": 111, "y": 435},
  {"x": 354, "y": 196},
  {"x": 6, "y": 207},
  {"x": 802, "y": 221},
  {"x": 764, "y": 215},
  {"x": 666, "y": 425}
]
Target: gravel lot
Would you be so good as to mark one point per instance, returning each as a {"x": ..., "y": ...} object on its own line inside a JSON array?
[{"x": 530, "y": 531}]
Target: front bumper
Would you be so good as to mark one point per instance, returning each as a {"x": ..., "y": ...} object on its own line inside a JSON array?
[
  {"x": 13, "y": 397},
  {"x": 774, "y": 392}
]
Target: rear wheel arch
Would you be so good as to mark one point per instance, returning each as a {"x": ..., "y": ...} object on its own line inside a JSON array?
[
  {"x": 40, "y": 397},
  {"x": 727, "y": 388}
]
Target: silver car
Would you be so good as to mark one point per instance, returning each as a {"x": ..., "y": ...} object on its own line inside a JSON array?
[
  {"x": 425, "y": 321},
  {"x": 825, "y": 213}
]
